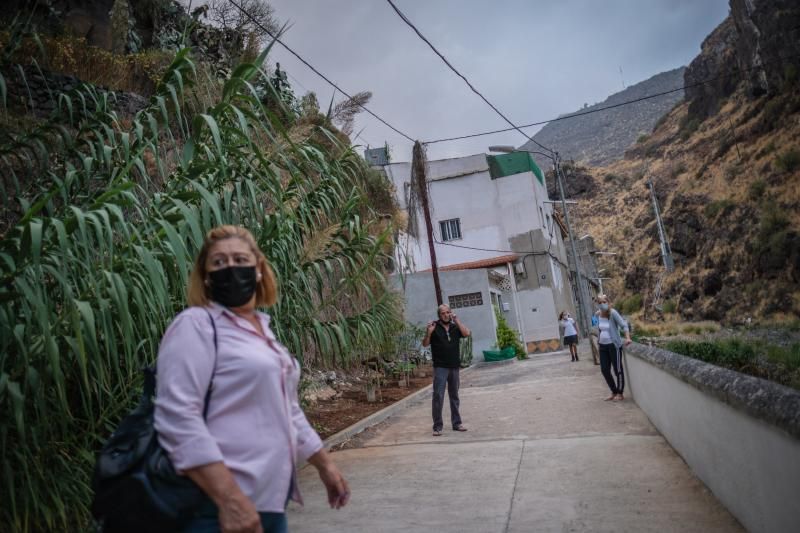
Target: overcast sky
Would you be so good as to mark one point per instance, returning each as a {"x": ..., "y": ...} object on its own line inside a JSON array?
[{"x": 533, "y": 59}]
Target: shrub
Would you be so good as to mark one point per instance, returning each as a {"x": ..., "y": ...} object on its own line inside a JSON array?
[
  {"x": 688, "y": 127},
  {"x": 630, "y": 304},
  {"x": 506, "y": 336},
  {"x": 642, "y": 138},
  {"x": 788, "y": 161},
  {"x": 610, "y": 177},
  {"x": 718, "y": 207},
  {"x": 757, "y": 189},
  {"x": 669, "y": 306},
  {"x": 789, "y": 76},
  {"x": 730, "y": 353},
  {"x": 644, "y": 331},
  {"x": 678, "y": 169}
]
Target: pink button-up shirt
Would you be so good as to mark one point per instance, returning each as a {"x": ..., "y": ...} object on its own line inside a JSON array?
[{"x": 254, "y": 423}]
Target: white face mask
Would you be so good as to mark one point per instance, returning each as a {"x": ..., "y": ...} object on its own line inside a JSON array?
[{"x": 604, "y": 307}]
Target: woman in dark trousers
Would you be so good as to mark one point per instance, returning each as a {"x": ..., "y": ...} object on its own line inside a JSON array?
[{"x": 610, "y": 322}]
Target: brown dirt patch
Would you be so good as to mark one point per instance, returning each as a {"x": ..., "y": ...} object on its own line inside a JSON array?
[{"x": 331, "y": 416}]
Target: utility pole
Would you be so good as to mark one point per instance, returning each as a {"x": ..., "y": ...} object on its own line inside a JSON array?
[
  {"x": 420, "y": 181},
  {"x": 576, "y": 259},
  {"x": 666, "y": 253}
]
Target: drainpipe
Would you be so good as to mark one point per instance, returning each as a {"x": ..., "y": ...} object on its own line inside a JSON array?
[{"x": 520, "y": 326}]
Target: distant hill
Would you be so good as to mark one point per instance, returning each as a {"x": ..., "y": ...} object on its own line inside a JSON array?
[{"x": 601, "y": 138}]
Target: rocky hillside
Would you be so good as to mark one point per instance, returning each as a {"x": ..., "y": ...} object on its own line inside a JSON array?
[
  {"x": 726, "y": 165},
  {"x": 601, "y": 138}
]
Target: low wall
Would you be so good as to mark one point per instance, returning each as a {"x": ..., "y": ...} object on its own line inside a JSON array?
[{"x": 739, "y": 434}]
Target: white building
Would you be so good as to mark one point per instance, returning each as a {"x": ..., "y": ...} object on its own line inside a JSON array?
[{"x": 488, "y": 213}]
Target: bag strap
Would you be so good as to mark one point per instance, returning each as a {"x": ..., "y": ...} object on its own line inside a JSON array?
[{"x": 214, "y": 369}]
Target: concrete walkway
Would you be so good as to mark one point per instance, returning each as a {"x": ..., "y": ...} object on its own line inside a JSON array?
[{"x": 543, "y": 452}]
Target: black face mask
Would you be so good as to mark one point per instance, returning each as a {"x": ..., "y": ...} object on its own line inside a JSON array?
[{"x": 233, "y": 286}]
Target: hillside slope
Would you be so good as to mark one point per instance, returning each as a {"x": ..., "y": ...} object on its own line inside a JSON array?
[{"x": 726, "y": 167}]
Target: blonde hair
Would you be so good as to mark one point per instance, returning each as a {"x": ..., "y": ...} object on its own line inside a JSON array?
[{"x": 198, "y": 293}]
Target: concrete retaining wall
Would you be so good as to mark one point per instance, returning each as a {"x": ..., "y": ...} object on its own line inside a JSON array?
[{"x": 739, "y": 434}]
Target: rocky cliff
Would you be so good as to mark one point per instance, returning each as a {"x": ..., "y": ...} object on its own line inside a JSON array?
[
  {"x": 602, "y": 137},
  {"x": 725, "y": 164}
]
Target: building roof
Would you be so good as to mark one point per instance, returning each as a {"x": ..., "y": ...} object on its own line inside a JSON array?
[{"x": 481, "y": 263}]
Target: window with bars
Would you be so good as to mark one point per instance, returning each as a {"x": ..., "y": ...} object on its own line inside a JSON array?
[
  {"x": 471, "y": 299},
  {"x": 450, "y": 229}
]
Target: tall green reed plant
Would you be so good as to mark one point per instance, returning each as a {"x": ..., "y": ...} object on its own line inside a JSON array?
[{"x": 109, "y": 215}]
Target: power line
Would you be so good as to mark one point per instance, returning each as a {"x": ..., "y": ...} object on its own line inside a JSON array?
[
  {"x": 446, "y": 62},
  {"x": 524, "y": 253},
  {"x": 597, "y": 110},
  {"x": 318, "y": 73}
]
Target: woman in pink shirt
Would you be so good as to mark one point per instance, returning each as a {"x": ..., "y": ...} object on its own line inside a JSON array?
[{"x": 243, "y": 453}]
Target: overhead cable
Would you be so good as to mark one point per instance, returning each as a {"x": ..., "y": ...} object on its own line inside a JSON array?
[
  {"x": 318, "y": 73},
  {"x": 605, "y": 108},
  {"x": 446, "y": 62}
]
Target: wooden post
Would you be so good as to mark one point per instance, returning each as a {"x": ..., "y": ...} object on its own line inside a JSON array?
[{"x": 420, "y": 181}]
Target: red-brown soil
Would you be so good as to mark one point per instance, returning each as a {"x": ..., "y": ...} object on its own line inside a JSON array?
[{"x": 331, "y": 416}]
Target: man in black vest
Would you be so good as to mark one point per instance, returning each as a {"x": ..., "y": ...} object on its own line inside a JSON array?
[{"x": 443, "y": 337}]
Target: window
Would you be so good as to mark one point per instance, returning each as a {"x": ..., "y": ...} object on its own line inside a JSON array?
[
  {"x": 451, "y": 229},
  {"x": 471, "y": 299}
]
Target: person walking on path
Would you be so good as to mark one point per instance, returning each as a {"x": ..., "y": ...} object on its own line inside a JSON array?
[
  {"x": 610, "y": 322},
  {"x": 567, "y": 324},
  {"x": 444, "y": 336},
  {"x": 239, "y": 439}
]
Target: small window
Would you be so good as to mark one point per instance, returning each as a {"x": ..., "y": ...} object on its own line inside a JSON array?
[
  {"x": 465, "y": 300},
  {"x": 451, "y": 229}
]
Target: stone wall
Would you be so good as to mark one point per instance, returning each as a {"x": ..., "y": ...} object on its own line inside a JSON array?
[
  {"x": 33, "y": 90},
  {"x": 739, "y": 434}
]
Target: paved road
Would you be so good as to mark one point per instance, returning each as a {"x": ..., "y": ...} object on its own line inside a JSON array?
[{"x": 543, "y": 452}]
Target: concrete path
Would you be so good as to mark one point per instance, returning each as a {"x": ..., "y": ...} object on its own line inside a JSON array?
[{"x": 543, "y": 452}]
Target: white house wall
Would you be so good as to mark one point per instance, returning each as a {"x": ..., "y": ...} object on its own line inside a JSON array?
[{"x": 490, "y": 211}]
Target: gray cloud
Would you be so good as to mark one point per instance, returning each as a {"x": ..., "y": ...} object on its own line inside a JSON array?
[{"x": 533, "y": 59}]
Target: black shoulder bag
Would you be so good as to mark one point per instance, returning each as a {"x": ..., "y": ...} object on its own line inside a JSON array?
[{"x": 135, "y": 486}]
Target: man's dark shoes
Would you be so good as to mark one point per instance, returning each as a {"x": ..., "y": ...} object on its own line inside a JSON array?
[
  {"x": 437, "y": 432},
  {"x": 459, "y": 428}
]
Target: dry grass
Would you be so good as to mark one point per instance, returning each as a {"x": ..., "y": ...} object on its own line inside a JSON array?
[{"x": 71, "y": 56}]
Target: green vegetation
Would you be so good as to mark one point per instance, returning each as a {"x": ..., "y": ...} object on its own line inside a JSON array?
[
  {"x": 788, "y": 161},
  {"x": 757, "y": 189},
  {"x": 611, "y": 177},
  {"x": 508, "y": 337},
  {"x": 688, "y": 127},
  {"x": 718, "y": 207},
  {"x": 669, "y": 306},
  {"x": 465, "y": 351},
  {"x": 630, "y": 305},
  {"x": 642, "y": 138},
  {"x": 790, "y": 76},
  {"x": 776, "y": 363},
  {"x": 103, "y": 216}
]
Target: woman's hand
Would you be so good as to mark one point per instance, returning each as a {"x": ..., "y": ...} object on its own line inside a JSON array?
[
  {"x": 239, "y": 515},
  {"x": 628, "y": 340},
  {"x": 336, "y": 484}
]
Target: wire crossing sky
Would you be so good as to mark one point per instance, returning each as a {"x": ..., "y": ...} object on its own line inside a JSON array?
[{"x": 532, "y": 60}]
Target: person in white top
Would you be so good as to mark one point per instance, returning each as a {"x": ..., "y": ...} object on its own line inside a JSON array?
[{"x": 567, "y": 323}]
